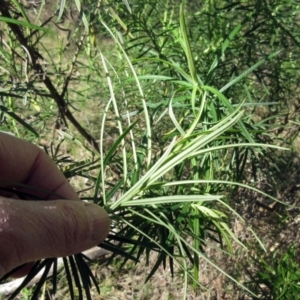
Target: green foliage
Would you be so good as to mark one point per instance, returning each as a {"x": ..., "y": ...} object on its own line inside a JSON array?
[
  {"x": 278, "y": 276},
  {"x": 168, "y": 90}
]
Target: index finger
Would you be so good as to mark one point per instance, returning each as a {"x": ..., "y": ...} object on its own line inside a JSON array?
[{"x": 24, "y": 163}]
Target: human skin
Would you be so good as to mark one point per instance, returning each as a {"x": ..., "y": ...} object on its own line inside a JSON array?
[{"x": 31, "y": 230}]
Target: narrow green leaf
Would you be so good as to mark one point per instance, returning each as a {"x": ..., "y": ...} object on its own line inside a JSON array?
[
  {"x": 18, "y": 119},
  {"x": 43, "y": 278},
  {"x": 69, "y": 278},
  {"x": 24, "y": 24},
  {"x": 187, "y": 46},
  {"x": 76, "y": 276},
  {"x": 251, "y": 69},
  {"x": 61, "y": 9},
  {"x": 38, "y": 266},
  {"x": 171, "y": 199}
]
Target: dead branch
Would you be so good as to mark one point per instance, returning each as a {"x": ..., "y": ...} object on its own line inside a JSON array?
[{"x": 35, "y": 56}]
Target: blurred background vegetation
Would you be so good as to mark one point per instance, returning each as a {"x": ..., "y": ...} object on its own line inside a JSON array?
[{"x": 173, "y": 116}]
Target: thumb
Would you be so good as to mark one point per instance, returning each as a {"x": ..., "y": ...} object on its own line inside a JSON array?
[{"x": 32, "y": 230}]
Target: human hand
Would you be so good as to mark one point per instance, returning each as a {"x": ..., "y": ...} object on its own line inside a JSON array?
[{"x": 33, "y": 230}]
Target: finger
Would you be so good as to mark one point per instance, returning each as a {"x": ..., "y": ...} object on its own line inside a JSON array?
[
  {"x": 23, "y": 270},
  {"x": 32, "y": 230},
  {"x": 23, "y": 162}
]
